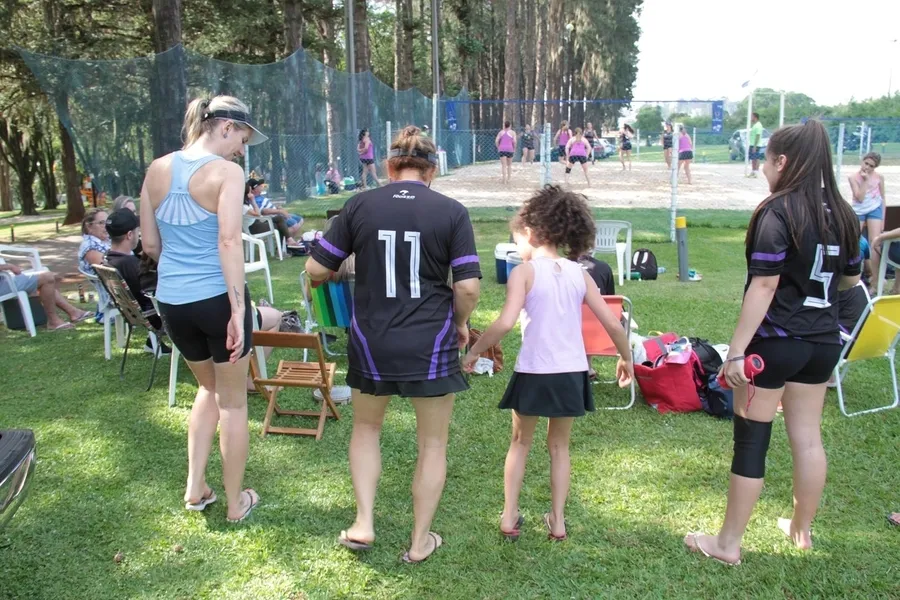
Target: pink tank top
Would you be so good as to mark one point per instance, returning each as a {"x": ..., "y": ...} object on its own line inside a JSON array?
[
  {"x": 564, "y": 137},
  {"x": 684, "y": 143},
  {"x": 369, "y": 153},
  {"x": 506, "y": 142},
  {"x": 551, "y": 319},
  {"x": 578, "y": 148}
]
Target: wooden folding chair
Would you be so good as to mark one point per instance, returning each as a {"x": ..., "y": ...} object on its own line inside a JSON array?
[
  {"x": 875, "y": 336},
  {"x": 293, "y": 373},
  {"x": 597, "y": 341}
]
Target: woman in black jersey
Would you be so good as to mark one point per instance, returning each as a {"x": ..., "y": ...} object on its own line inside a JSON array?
[
  {"x": 408, "y": 324},
  {"x": 589, "y": 134},
  {"x": 802, "y": 248},
  {"x": 667, "y": 135},
  {"x": 528, "y": 146},
  {"x": 625, "y": 135}
]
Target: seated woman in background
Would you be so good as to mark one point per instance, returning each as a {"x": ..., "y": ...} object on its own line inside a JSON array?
[
  {"x": 94, "y": 246},
  {"x": 333, "y": 179}
]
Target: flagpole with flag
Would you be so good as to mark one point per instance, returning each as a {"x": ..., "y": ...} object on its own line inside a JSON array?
[{"x": 748, "y": 84}]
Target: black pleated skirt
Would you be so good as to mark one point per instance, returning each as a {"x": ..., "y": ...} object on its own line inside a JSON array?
[{"x": 549, "y": 395}]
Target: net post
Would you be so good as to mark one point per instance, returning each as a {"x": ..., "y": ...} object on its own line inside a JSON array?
[
  {"x": 862, "y": 138},
  {"x": 474, "y": 144},
  {"x": 246, "y": 162},
  {"x": 840, "y": 151},
  {"x": 545, "y": 156},
  {"x": 388, "y": 136},
  {"x": 673, "y": 181},
  {"x": 869, "y": 140},
  {"x": 637, "y": 135},
  {"x": 747, "y": 143}
]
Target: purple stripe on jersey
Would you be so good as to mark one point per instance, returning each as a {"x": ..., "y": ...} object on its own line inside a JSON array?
[
  {"x": 768, "y": 257},
  {"x": 779, "y": 331},
  {"x": 856, "y": 260},
  {"x": 447, "y": 354},
  {"x": 365, "y": 346},
  {"x": 334, "y": 250},
  {"x": 462, "y": 260},
  {"x": 762, "y": 332},
  {"x": 432, "y": 372}
]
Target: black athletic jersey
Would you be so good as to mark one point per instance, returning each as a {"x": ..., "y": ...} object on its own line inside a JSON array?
[
  {"x": 805, "y": 305},
  {"x": 667, "y": 140},
  {"x": 528, "y": 140},
  {"x": 407, "y": 240},
  {"x": 590, "y": 135},
  {"x": 601, "y": 273},
  {"x": 851, "y": 304}
]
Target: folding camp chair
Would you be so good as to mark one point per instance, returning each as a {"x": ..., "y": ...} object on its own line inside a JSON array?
[
  {"x": 328, "y": 305},
  {"x": 597, "y": 341},
  {"x": 875, "y": 336},
  {"x": 131, "y": 311},
  {"x": 290, "y": 373}
]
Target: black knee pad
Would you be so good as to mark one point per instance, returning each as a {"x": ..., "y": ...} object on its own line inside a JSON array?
[
  {"x": 568, "y": 170},
  {"x": 751, "y": 443}
]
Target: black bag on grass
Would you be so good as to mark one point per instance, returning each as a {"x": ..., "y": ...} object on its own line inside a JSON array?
[
  {"x": 644, "y": 262},
  {"x": 709, "y": 357},
  {"x": 716, "y": 400}
]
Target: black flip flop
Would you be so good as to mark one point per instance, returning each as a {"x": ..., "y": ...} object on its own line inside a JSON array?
[
  {"x": 438, "y": 542},
  {"x": 354, "y": 545},
  {"x": 513, "y": 534}
]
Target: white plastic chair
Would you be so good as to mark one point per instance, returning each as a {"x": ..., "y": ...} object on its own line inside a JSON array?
[
  {"x": 17, "y": 253},
  {"x": 607, "y": 241},
  {"x": 271, "y": 237},
  {"x": 885, "y": 261},
  {"x": 111, "y": 316},
  {"x": 259, "y": 265}
]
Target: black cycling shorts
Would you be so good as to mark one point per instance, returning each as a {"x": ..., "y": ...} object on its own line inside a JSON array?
[
  {"x": 506, "y": 155},
  {"x": 578, "y": 159},
  {"x": 788, "y": 360},
  {"x": 367, "y": 161},
  {"x": 199, "y": 329}
]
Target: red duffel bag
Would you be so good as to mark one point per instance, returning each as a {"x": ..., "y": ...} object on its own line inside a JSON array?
[{"x": 669, "y": 386}]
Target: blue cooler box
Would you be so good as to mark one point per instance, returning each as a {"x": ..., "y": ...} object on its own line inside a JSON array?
[
  {"x": 500, "y": 254},
  {"x": 512, "y": 261}
]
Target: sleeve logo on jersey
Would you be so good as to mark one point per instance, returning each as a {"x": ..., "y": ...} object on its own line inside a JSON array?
[{"x": 404, "y": 195}]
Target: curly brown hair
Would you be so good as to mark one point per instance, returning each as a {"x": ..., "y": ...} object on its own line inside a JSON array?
[{"x": 559, "y": 217}]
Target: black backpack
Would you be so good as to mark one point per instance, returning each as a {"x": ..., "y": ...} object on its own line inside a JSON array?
[
  {"x": 716, "y": 400},
  {"x": 644, "y": 262},
  {"x": 709, "y": 357}
]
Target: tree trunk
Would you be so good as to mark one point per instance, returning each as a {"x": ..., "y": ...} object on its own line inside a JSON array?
[
  {"x": 540, "y": 73},
  {"x": 74, "y": 205},
  {"x": 554, "y": 52},
  {"x": 326, "y": 31},
  {"x": 21, "y": 152},
  {"x": 293, "y": 26},
  {"x": 361, "y": 42},
  {"x": 5, "y": 188},
  {"x": 528, "y": 60},
  {"x": 511, "y": 63},
  {"x": 47, "y": 158},
  {"x": 168, "y": 81},
  {"x": 26, "y": 191}
]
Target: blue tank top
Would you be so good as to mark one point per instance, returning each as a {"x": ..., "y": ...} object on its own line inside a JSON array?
[{"x": 189, "y": 267}]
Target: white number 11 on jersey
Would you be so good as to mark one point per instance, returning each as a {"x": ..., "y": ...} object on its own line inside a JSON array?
[{"x": 413, "y": 238}]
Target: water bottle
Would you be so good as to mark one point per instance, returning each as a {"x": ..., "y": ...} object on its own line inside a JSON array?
[{"x": 660, "y": 270}]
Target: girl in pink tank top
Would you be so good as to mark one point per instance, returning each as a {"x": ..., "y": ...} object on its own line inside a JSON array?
[
  {"x": 577, "y": 152},
  {"x": 506, "y": 147},
  {"x": 551, "y": 375},
  {"x": 366, "y": 151}
]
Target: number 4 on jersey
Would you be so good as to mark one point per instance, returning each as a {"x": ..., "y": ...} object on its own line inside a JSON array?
[
  {"x": 824, "y": 277},
  {"x": 413, "y": 238}
]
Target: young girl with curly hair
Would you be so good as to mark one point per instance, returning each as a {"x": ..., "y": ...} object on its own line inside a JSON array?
[{"x": 552, "y": 230}]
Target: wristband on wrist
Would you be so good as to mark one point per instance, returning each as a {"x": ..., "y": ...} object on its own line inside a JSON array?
[{"x": 736, "y": 358}]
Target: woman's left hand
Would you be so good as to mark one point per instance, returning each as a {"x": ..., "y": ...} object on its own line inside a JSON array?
[
  {"x": 468, "y": 362},
  {"x": 734, "y": 373}
]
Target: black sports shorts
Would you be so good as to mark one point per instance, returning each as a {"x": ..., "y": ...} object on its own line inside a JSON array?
[
  {"x": 199, "y": 329},
  {"x": 426, "y": 388},
  {"x": 788, "y": 360},
  {"x": 506, "y": 155},
  {"x": 686, "y": 155},
  {"x": 367, "y": 161},
  {"x": 578, "y": 159}
]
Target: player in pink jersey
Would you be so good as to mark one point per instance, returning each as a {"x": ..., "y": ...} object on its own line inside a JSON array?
[
  {"x": 551, "y": 373},
  {"x": 577, "y": 152},
  {"x": 366, "y": 151},
  {"x": 506, "y": 146}
]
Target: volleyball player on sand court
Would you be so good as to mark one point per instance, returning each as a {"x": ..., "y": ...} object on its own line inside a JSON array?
[
  {"x": 408, "y": 325},
  {"x": 562, "y": 138},
  {"x": 551, "y": 373},
  {"x": 577, "y": 152},
  {"x": 366, "y": 151},
  {"x": 802, "y": 248},
  {"x": 506, "y": 146},
  {"x": 528, "y": 146}
]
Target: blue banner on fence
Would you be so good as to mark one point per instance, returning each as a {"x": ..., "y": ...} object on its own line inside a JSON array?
[
  {"x": 718, "y": 115},
  {"x": 451, "y": 115}
]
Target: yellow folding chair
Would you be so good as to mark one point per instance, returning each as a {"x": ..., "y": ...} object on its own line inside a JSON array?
[{"x": 875, "y": 336}]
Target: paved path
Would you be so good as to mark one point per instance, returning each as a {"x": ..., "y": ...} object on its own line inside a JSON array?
[{"x": 60, "y": 255}]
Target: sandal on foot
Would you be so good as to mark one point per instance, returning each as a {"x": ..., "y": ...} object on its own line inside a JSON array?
[
  {"x": 61, "y": 327},
  {"x": 894, "y": 519},
  {"x": 438, "y": 542},
  {"x": 254, "y": 500},
  {"x": 513, "y": 534},
  {"x": 694, "y": 546},
  {"x": 87, "y": 315},
  {"x": 355, "y": 545},
  {"x": 550, "y": 535},
  {"x": 205, "y": 501}
]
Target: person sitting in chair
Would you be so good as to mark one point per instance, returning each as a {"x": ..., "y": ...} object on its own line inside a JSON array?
[
  {"x": 45, "y": 285},
  {"x": 122, "y": 226}
]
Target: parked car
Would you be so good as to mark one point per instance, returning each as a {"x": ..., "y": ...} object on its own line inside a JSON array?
[
  {"x": 16, "y": 470},
  {"x": 603, "y": 148},
  {"x": 738, "y": 142}
]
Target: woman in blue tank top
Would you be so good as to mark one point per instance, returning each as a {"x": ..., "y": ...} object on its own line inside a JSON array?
[{"x": 191, "y": 217}]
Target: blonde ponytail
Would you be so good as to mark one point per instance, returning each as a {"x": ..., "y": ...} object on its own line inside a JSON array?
[{"x": 196, "y": 123}]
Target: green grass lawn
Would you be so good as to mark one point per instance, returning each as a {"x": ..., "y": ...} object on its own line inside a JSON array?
[{"x": 112, "y": 466}]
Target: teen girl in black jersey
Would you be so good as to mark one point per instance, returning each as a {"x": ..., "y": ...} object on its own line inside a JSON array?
[
  {"x": 528, "y": 146},
  {"x": 408, "y": 324},
  {"x": 667, "y": 136},
  {"x": 802, "y": 248}
]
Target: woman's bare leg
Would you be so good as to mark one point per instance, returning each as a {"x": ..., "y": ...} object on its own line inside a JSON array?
[{"x": 365, "y": 461}]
